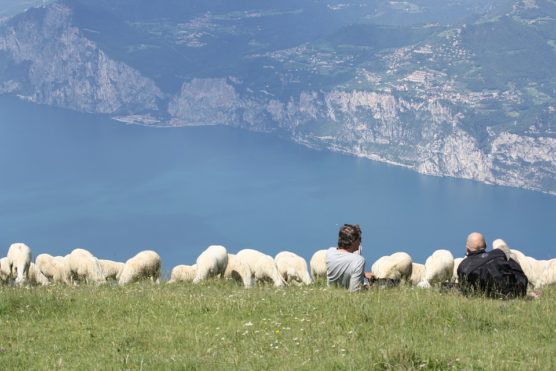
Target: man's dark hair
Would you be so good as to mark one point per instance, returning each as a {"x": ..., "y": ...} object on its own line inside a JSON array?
[{"x": 349, "y": 233}]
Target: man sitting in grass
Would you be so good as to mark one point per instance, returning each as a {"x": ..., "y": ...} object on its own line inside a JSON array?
[
  {"x": 345, "y": 267},
  {"x": 491, "y": 273}
]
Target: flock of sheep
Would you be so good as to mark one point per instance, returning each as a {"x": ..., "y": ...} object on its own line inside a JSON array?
[{"x": 248, "y": 267}]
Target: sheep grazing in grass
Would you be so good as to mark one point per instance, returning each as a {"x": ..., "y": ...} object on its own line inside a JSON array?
[
  {"x": 550, "y": 273},
  {"x": 537, "y": 270},
  {"x": 262, "y": 266},
  {"x": 439, "y": 268},
  {"x": 392, "y": 269},
  {"x": 457, "y": 262},
  {"x": 5, "y": 272},
  {"x": 84, "y": 267},
  {"x": 36, "y": 277},
  {"x": 211, "y": 263},
  {"x": 183, "y": 273},
  {"x": 292, "y": 267},
  {"x": 238, "y": 270},
  {"x": 145, "y": 264},
  {"x": 417, "y": 273},
  {"x": 19, "y": 260},
  {"x": 318, "y": 264},
  {"x": 111, "y": 269},
  {"x": 54, "y": 268}
]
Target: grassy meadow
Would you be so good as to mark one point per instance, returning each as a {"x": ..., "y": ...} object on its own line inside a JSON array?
[{"x": 219, "y": 325}]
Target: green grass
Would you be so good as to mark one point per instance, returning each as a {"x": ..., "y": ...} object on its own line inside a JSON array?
[{"x": 219, "y": 325}]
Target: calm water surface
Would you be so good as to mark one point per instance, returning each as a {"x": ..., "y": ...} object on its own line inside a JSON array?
[{"x": 72, "y": 180}]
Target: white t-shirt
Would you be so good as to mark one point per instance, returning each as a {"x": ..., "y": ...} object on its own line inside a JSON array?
[{"x": 345, "y": 269}]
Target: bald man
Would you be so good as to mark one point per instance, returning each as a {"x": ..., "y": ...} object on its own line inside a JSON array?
[
  {"x": 475, "y": 242},
  {"x": 489, "y": 273}
]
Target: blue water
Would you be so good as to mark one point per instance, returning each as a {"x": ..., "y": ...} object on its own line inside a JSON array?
[{"x": 72, "y": 180}]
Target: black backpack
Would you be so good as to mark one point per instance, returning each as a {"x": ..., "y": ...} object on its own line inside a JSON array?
[{"x": 492, "y": 274}]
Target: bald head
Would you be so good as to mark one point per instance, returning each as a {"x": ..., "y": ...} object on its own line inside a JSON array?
[{"x": 475, "y": 242}]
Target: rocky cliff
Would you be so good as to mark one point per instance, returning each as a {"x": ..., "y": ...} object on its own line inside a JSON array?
[{"x": 53, "y": 63}]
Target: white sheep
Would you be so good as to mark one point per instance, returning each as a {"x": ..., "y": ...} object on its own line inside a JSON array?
[
  {"x": 396, "y": 267},
  {"x": 85, "y": 267},
  {"x": 238, "y": 270},
  {"x": 550, "y": 273},
  {"x": 19, "y": 260},
  {"x": 145, "y": 264},
  {"x": 36, "y": 277},
  {"x": 5, "y": 272},
  {"x": 292, "y": 267},
  {"x": 183, "y": 273},
  {"x": 318, "y": 264},
  {"x": 537, "y": 271},
  {"x": 111, "y": 269},
  {"x": 457, "y": 262},
  {"x": 262, "y": 266},
  {"x": 417, "y": 273},
  {"x": 211, "y": 263},
  {"x": 54, "y": 268},
  {"x": 439, "y": 268}
]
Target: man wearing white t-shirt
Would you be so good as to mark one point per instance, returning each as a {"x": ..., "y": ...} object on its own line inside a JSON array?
[{"x": 344, "y": 267}]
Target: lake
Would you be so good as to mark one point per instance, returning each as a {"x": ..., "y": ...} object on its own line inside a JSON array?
[{"x": 72, "y": 180}]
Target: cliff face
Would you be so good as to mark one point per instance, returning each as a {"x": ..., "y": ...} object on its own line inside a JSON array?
[
  {"x": 471, "y": 101},
  {"x": 57, "y": 65},
  {"x": 428, "y": 137}
]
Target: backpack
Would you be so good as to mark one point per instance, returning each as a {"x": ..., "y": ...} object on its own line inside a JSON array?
[{"x": 492, "y": 274}]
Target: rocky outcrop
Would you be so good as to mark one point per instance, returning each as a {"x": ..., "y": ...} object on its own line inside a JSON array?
[{"x": 58, "y": 66}]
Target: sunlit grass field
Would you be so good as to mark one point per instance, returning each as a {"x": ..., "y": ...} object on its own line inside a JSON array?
[{"x": 219, "y": 325}]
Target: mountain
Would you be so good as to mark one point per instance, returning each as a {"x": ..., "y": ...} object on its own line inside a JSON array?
[{"x": 458, "y": 88}]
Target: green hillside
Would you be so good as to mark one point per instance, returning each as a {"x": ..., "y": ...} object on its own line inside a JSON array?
[{"x": 218, "y": 325}]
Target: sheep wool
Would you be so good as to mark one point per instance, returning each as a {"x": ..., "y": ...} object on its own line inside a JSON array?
[
  {"x": 457, "y": 262},
  {"x": 84, "y": 267},
  {"x": 292, "y": 267},
  {"x": 111, "y": 269},
  {"x": 183, "y": 273},
  {"x": 318, "y": 264},
  {"x": 145, "y": 264},
  {"x": 211, "y": 263},
  {"x": 439, "y": 268},
  {"x": 397, "y": 266},
  {"x": 531, "y": 267},
  {"x": 36, "y": 277},
  {"x": 537, "y": 270},
  {"x": 238, "y": 270},
  {"x": 54, "y": 268},
  {"x": 501, "y": 245},
  {"x": 417, "y": 273},
  {"x": 19, "y": 260},
  {"x": 550, "y": 273},
  {"x": 5, "y": 272},
  {"x": 262, "y": 266}
]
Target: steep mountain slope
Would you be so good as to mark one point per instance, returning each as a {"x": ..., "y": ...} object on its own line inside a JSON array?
[
  {"x": 53, "y": 63},
  {"x": 463, "y": 89}
]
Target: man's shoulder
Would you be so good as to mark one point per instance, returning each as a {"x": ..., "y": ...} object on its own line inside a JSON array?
[
  {"x": 358, "y": 259},
  {"x": 478, "y": 260}
]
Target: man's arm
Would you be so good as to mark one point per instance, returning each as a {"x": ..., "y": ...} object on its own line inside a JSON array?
[{"x": 357, "y": 274}]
